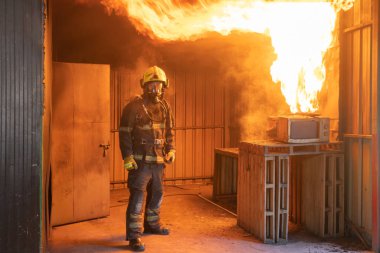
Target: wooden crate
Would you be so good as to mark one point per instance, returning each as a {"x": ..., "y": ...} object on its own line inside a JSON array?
[
  {"x": 316, "y": 188},
  {"x": 225, "y": 173},
  {"x": 322, "y": 196},
  {"x": 262, "y": 204},
  {"x": 282, "y": 198}
]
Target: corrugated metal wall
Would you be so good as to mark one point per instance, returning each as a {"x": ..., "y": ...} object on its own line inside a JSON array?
[
  {"x": 198, "y": 104},
  {"x": 21, "y": 78},
  {"x": 358, "y": 114}
]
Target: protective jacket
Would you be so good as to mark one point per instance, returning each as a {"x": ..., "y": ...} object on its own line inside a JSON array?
[{"x": 146, "y": 130}]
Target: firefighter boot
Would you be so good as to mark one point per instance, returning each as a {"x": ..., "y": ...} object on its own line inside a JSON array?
[
  {"x": 152, "y": 223},
  {"x": 156, "y": 230},
  {"x": 136, "y": 244}
]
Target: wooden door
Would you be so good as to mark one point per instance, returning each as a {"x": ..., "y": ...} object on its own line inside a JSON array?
[{"x": 80, "y": 135}]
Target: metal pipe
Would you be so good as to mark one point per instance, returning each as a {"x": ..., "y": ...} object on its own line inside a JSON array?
[
  {"x": 209, "y": 201},
  {"x": 167, "y": 179}
]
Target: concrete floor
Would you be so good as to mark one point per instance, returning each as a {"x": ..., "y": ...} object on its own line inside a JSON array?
[{"x": 196, "y": 226}]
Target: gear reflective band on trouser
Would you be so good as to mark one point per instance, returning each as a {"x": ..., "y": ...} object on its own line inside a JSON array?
[
  {"x": 152, "y": 217},
  {"x": 135, "y": 222}
]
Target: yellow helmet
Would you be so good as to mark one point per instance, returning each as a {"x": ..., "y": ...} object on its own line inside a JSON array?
[{"x": 154, "y": 74}]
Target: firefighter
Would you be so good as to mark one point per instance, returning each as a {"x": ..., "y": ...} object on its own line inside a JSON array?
[{"x": 146, "y": 143}]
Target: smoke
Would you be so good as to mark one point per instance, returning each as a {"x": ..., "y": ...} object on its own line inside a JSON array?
[
  {"x": 257, "y": 97},
  {"x": 85, "y": 32}
]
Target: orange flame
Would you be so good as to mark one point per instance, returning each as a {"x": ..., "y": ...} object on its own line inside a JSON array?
[{"x": 301, "y": 33}]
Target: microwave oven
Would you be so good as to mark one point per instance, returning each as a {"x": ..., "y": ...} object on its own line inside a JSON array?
[{"x": 299, "y": 128}]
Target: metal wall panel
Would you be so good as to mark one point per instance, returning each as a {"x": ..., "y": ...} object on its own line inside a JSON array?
[
  {"x": 198, "y": 106},
  {"x": 357, "y": 114},
  {"x": 21, "y": 78}
]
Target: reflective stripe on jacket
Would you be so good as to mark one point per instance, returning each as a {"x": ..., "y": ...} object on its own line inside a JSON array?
[{"x": 146, "y": 130}]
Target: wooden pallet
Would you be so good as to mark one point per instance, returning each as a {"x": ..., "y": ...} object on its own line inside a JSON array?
[
  {"x": 322, "y": 196},
  {"x": 282, "y": 198},
  {"x": 262, "y": 205},
  {"x": 225, "y": 173},
  {"x": 316, "y": 188}
]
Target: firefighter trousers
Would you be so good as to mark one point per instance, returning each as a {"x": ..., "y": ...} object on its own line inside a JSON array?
[{"x": 146, "y": 177}]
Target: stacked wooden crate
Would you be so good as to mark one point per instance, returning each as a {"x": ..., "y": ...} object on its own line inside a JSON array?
[
  {"x": 225, "y": 173},
  {"x": 263, "y": 189},
  {"x": 322, "y": 197},
  {"x": 262, "y": 205}
]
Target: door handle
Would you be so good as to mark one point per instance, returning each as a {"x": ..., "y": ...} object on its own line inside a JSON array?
[{"x": 105, "y": 148}]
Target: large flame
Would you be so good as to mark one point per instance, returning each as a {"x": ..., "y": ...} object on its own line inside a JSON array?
[{"x": 301, "y": 33}]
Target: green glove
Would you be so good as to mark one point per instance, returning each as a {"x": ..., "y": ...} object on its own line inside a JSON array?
[
  {"x": 130, "y": 163},
  {"x": 170, "y": 156}
]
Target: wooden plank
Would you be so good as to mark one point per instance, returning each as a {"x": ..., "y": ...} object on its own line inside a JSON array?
[
  {"x": 329, "y": 213},
  {"x": 356, "y": 154},
  {"x": 231, "y": 152},
  {"x": 215, "y": 185},
  {"x": 349, "y": 179},
  {"x": 313, "y": 194},
  {"x": 366, "y": 188},
  {"x": 375, "y": 119},
  {"x": 270, "y": 200},
  {"x": 91, "y": 129},
  {"x": 357, "y": 12},
  {"x": 218, "y": 143},
  {"x": 62, "y": 149},
  {"x": 366, "y": 81},
  {"x": 339, "y": 219},
  {"x": 356, "y": 120},
  {"x": 299, "y": 174},
  {"x": 113, "y": 124},
  {"x": 292, "y": 192},
  {"x": 347, "y": 85},
  {"x": 282, "y": 197},
  {"x": 366, "y": 11},
  {"x": 91, "y": 171},
  {"x": 347, "y": 21},
  {"x": 240, "y": 207}
]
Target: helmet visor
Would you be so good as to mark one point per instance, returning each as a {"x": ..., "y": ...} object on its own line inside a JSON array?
[{"x": 154, "y": 87}]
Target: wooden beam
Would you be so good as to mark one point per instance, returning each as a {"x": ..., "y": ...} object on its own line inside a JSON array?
[{"x": 376, "y": 122}]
